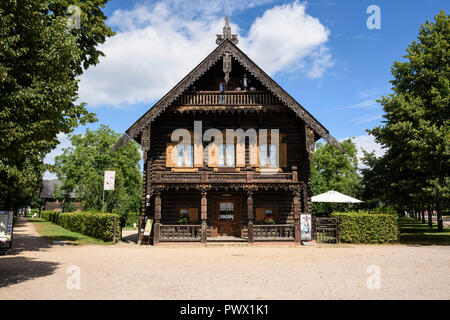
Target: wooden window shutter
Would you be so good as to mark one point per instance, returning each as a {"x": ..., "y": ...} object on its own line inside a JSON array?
[
  {"x": 193, "y": 214},
  {"x": 198, "y": 152},
  {"x": 254, "y": 154},
  {"x": 170, "y": 148},
  {"x": 283, "y": 151},
  {"x": 260, "y": 214},
  {"x": 240, "y": 153},
  {"x": 213, "y": 155}
]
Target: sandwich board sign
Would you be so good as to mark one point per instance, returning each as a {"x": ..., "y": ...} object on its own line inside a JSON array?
[
  {"x": 109, "y": 180},
  {"x": 305, "y": 227},
  {"x": 148, "y": 227}
]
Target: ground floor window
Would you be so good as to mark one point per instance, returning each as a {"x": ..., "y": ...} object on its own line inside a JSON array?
[{"x": 187, "y": 215}]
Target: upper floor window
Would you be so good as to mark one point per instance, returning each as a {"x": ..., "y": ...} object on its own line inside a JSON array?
[
  {"x": 179, "y": 155},
  {"x": 227, "y": 156},
  {"x": 185, "y": 155}
]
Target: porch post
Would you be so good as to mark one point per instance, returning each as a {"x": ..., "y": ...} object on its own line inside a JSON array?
[
  {"x": 146, "y": 184},
  {"x": 296, "y": 205},
  {"x": 157, "y": 225},
  {"x": 204, "y": 216},
  {"x": 250, "y": 216}
]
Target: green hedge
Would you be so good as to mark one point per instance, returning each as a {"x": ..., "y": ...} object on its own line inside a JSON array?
[
  {"x": 94, "y": 224},
  {"x": 51, "y": 216},
  {"x": 357, "y": 227}
]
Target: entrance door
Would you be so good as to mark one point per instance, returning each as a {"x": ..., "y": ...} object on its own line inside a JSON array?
[{"x": 228, "y": 217}]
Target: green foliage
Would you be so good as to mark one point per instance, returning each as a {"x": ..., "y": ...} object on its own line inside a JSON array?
[
  {"x": 39, "y": 64},
  {"x": 416, "y": 133},
  {"x": 358, "y": 227},
  {"x": 81, "y": 169},
  {"x": 68, "y": 206},
  {"x": 332, "y": 169},
  {"x": 94, "y": 224},
  {"x": 131, "y": 217}
]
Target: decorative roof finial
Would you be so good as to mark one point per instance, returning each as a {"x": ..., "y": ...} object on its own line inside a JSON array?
[{"x": 227, "y": 33}]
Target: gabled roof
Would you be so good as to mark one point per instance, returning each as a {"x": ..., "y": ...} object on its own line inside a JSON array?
[{"x": 228, "y": 46}]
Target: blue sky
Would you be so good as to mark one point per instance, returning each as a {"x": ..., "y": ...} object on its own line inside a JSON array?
[{"x": 321, "y": 52}]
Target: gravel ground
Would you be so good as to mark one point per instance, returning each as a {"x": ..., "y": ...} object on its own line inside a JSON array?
[{"x": 38, "y": 269}]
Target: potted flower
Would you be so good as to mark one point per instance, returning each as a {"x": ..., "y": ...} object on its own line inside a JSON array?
[
  {"x": 270, "y": 219},
  {"x": 182, "y": 219}
]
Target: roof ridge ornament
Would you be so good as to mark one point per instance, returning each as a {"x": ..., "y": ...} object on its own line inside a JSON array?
[{"x": 227, "y": 33}]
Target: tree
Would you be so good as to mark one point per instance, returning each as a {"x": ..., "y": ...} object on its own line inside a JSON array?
[
  {"x": 332, "y": 169},
  {"x": 81, "y": 168},
  {"x": 416, "y": 132},
  {"x": 40, "y": 60}
]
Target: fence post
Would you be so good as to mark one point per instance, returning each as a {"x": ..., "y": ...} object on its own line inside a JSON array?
[
  {"x": 337, "y": 230},
  {"x": 115, "y": 229}
]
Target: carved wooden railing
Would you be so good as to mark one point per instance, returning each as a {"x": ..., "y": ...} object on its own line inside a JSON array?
[
  {"x": 180, "y": 232},
  {"x": 273, "y": 232},
  {"x": 210, "y": 177},
  {"x": 227, "y": 98}
]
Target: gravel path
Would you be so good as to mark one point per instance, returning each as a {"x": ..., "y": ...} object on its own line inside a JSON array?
[{"x": 37, "y": 269}]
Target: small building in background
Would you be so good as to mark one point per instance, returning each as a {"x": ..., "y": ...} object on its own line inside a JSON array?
[{"x": 47, "y": 194}]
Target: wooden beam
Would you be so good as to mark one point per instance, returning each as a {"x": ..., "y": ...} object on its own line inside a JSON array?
[
  {"x": 296, "y": 207},
  {"x": 250, "y": 215},
  {"x": 204, "y": 216},
  {"x": 157, "y": 226}
]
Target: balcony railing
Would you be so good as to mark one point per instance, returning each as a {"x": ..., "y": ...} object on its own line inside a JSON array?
[
  {"x": 217, "y": 98},
  {"x": 213, "y": 177}
]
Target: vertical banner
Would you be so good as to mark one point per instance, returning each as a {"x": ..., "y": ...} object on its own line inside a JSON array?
[
  {"x": 109, "y": 180},
  {"x": 305, "y": 227}
]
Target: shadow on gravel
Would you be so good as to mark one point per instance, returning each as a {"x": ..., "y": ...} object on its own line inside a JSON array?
[
  {"x": 14, "y": 270},
  {"x": 130, "y": 238},
  {"x": 26, "y": 242}
]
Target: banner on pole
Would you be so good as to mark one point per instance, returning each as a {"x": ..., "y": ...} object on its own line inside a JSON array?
[{"x": 109, "y": 180}]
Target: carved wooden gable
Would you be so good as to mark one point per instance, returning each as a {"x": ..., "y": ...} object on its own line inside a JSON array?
[{"x": 227, "y": 50}]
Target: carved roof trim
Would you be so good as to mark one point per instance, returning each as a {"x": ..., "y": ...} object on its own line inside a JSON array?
[{"x": 226, "y": 46}]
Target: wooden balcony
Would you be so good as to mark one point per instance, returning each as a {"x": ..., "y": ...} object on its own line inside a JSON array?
[
  {"x": 217, "y": 98},
  {"x": 214, "y": 177}
]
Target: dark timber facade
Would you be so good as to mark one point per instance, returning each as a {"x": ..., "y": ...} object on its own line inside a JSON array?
[{"x": 228, "y": 196}]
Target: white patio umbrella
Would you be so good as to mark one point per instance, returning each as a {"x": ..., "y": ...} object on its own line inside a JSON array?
[{"x": 334, "y": 196}]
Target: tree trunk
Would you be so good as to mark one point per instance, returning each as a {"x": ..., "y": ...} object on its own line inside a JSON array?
[
  {"x": 423, "y": 216},
  {"x": 439, "y": 219},
  {"x": 430, "y": 219}
]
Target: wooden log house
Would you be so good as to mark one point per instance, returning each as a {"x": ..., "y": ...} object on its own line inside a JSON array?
[{"x": 229, "y": 195}]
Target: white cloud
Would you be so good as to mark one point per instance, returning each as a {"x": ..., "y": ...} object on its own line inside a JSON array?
[
  {"x": 363, "y": 104},
  {"x": 64, "y": 142},
  {"x": 287, "y": 38},
  {"x": 367, "y": 143},
  {"x": 367, "y": 119},
  {"x": 156, "y": 45}
]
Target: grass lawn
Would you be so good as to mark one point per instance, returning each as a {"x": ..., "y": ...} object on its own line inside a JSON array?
[
  {"x": 412, "y": 231},
  {"x": 54, "y": 232}
]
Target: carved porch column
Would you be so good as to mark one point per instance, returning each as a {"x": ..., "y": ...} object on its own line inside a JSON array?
[
  {"x": 157, "y": 226},
  {"x": 204, "y": 216},
  {"x": 296, "y": 207},
  {"x": 250, "y": 215}
]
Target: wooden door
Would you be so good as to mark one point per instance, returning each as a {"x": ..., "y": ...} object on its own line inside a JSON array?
[{"x": 228, "y": 217}]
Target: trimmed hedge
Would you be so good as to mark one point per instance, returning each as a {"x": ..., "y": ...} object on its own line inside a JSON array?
[
  {"x": 94, "y": 224},
  {"x": 357, "y": 227},
  {"x": 51, "y": 216}
]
